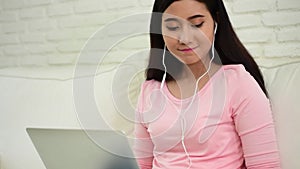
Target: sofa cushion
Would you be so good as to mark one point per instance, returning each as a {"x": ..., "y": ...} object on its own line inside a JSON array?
[
  {"x": 116, "y": 95},
  {"x": 283, "y": 82}
]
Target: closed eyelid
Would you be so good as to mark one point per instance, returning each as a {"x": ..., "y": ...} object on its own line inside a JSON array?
[
  {"x": 175, "y": 21},
  {"x": 172, "y": 23},
  {"x": 198, "y": 23},
  {"x": 188, "y": 19}
]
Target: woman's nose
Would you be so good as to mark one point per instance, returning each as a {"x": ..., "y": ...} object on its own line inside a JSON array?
[{"x": 184, "y": 36}]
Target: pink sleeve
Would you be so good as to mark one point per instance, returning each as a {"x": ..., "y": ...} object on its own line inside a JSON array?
[
  {"x": 143, "y": 146},
  {"x": 254, "y": 123}
]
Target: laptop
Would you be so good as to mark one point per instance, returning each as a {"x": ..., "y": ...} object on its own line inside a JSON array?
[{"x": 82, "y": 149}]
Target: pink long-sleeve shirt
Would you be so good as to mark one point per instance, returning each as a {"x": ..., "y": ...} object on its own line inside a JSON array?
[{"x": 228, "y": 124}]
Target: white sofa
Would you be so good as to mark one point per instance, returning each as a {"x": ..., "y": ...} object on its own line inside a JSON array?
[
  {"x": 48, "y": 102},
  {"x": 283, "y": 82}
]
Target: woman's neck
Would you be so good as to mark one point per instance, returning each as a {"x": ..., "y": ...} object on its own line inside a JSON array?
[
  {"x": 187, "y": 81},
  {"x": 198, "y": 69}
]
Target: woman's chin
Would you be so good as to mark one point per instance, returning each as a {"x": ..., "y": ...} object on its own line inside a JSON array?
[{"x": 188, "y": 59}]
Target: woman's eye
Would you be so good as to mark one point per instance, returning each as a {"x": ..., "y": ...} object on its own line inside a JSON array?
[
  {"x": 172, "y": 28},
  {"x": 198, "y": 25}
]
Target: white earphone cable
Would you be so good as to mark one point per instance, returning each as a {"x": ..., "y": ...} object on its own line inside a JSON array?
[{"x": 194, "y": 95}]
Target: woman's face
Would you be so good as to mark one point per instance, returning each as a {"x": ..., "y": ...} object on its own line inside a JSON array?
[{"x": 188, "y": 30}]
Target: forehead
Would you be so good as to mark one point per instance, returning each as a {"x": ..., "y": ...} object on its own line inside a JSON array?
[{"x": 186, "y": 8}]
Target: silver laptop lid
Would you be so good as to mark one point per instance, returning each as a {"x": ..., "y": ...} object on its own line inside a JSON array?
[{"x": 74, "y": 149}]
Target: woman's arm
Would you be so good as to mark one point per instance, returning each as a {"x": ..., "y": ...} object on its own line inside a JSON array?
[
  {"x": 143, "y": 146},
  {"x": 254, "y": 124}
]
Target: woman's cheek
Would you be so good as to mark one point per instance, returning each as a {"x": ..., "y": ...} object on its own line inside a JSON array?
[{"x": 170, "y": 43}]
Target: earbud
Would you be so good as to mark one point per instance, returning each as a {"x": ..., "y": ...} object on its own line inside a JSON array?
[
  {"x": 213, "y": 42},
  {"x": 216, "y": 27},
  {"x": 165, "y": 69}
]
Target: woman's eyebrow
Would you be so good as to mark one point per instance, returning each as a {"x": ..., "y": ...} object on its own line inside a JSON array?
[
  {"x": 171, "y": 19},
  {"x": 195, "y": 16}
]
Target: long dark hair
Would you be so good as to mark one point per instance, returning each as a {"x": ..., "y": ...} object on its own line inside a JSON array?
[{"x": 227, "y": 44}]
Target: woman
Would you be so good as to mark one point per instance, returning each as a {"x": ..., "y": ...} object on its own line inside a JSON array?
[{"x": 199, "y": 108}]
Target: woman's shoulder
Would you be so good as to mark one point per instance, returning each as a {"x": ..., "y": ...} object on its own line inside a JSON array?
[
  {"x": 238, "y": 73},
  {"x": 239, "y": 80},
  {"x": 150, "y": 85},
  {"x": 235, "y": 70}
]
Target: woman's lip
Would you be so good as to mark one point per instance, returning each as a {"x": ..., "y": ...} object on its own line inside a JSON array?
[{"x": 187, "y": 49}]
